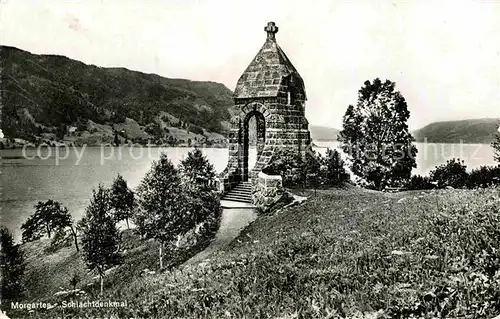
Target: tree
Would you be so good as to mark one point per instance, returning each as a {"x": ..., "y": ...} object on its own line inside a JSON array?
[
  {"x": 201, "y": 208},
  {"x": 122, "y": 200},
  {"x": 334, "y": 170},
  {"x": 376, "y": 137},
  {"x": 100, "y": 237},
  {"x": 495, "y": 144},
  {"x": 197, "y": 170},
  {"x": 161, "y": 202},
  {"x": 12, "y": 267},
  {"x": 201, "y": 201},
  {"x": 49, "y": 216},
  {"x": 64, "y": 220}
]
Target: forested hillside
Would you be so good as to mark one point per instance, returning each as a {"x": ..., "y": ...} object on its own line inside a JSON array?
[
  {"x": 49, "y": 93},
  {"x": 467, "y": 131}
]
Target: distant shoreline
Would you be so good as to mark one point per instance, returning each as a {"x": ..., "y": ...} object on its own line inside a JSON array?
[
  {"x": 20, "y": 144},
  {"x": 419, "y": 142},
  {"x": 61, "y": 144}
]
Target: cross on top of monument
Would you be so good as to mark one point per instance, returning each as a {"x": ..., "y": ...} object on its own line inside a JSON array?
[{"x": 271, "y": 30}]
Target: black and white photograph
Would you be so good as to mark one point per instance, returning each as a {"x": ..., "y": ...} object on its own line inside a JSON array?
[{"x": 250, "y": 159}]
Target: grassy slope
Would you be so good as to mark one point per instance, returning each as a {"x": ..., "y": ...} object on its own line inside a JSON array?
[
  {"x": 342, "y": 253},
  {"x": 50, "y": 272},
  {"x": 468, "y": 131}
]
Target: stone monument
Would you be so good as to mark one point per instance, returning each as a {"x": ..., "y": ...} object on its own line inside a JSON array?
[{"x": 272, "y": 91}]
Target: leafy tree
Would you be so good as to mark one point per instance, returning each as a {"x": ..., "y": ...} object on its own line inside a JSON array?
[
  {"x": 196, "y": 169},
  {"x": 202, "y": 203},
  {"x": 66, "y": 221},
  {"x": 122, "y": 200},
  {"x": 100, "y": 237},
  {"x": 375, "y": 135},
  {"x": 161, "y": 202},
  {"x": 12, "y": 267},
  {"x": 48, "y": 217},
  {"x": 453, "y": 173},
  {"x": 495, "y": 144},
  {"x": 201, "y": 207}
]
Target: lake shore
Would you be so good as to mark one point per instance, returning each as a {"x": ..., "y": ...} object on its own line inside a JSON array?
[{"x": 17, "y": 143}]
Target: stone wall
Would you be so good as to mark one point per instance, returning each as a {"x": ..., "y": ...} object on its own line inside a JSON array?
[{"x": 267, "y": 190}]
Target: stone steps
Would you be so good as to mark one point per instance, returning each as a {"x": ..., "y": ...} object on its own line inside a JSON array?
[{"x": 241, "y": 193}]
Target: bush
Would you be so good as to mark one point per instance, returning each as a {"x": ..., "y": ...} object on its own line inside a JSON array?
[
  {"x": 285, "y": 163},
  {"x": 452, "y": 174},
  {"x": 62, "y": 238},
  {"x": 485, "y": 176},
  {"x": 333, "y": 168},
  {"x": 312, "y": 170},
  {"x": 417, "y": 182}
]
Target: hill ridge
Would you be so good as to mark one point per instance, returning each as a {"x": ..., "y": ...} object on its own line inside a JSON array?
[
  {"x": 45, "y": 94},
  {"x": 478, "y": 130}
]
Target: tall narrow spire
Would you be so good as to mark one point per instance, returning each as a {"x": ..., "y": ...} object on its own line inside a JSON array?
[{"x": 271, "y": 30}]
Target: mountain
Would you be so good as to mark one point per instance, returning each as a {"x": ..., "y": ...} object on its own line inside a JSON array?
[
  {"x": 468, "y": 131},
  {"x": 47, "y": 95},
  {"x": 323, "y": 133}
]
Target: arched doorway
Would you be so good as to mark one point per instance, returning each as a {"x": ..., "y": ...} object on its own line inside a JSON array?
[{"x": 254, "y": 134}]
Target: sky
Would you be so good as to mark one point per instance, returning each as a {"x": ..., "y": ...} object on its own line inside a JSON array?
[{"x": 443, "y": 55}]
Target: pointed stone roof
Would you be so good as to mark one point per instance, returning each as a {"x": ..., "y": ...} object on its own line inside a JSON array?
[{"x": 265, "y": 74}]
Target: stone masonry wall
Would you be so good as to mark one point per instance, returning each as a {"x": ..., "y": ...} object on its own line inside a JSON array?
[
  {"x": 267, "y": 190},
  {"x": 273, "y": 91}
]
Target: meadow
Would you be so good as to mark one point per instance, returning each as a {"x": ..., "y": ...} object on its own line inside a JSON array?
[{"x": 343, "y": 253}]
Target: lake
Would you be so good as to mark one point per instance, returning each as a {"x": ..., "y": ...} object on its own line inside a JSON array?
[{"x": 69, "y": 175}]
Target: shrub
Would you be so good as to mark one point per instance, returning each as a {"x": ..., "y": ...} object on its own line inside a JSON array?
[
  {"x": 485, "y": 176},
  {"x": 417, "y": 182},
  {"x": 62, "y": 238},
  {"x": 333, "y": 168},
  {"x": 311, "y": 170},
  {"x": 453, "y": 174},
  {"x": 285, "y": 162}
]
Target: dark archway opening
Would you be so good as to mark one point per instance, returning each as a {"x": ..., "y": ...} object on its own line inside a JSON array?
[{"x": 254, "y": 134}]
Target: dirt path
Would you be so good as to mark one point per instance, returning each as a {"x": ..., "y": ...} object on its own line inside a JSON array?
[{"x": 235, "y": 217}]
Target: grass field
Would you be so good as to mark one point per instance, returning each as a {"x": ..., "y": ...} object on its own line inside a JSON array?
[{"x": 343, "y": 253}]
